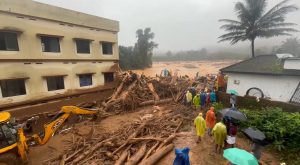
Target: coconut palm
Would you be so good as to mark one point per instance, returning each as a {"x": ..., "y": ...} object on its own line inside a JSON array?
[{"x": 254, "y": 22}]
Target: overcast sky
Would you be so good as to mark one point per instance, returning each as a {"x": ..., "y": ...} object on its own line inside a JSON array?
[{"x": 177, "y": 24}]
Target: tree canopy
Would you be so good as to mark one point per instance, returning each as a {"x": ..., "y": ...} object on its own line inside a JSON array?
[
  {"x": 290, "y": 45},
  {"x": 255, "y": 22},
  {"x": 139, "y": 56}
]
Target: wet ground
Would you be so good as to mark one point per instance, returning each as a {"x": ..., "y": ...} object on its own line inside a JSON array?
[{"x": 201, "y": 153}]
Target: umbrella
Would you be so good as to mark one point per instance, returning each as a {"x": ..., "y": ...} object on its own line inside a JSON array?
[
  {"x": 232, "y": 91},
  {"x": 239, "y": 156},
  {"x": 256, "y": 136},
  {"x": 233, "y": 113}
]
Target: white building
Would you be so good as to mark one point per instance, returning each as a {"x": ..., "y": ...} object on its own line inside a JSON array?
[{"x": 266, "y": 76}]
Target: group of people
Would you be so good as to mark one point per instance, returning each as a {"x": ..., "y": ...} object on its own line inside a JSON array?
[
  {"x": 223, "y": 131},
  {"x": 200, "y": 100}
]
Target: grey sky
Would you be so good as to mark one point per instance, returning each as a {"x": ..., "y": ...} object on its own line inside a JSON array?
[{"x": 177, "y": 24}]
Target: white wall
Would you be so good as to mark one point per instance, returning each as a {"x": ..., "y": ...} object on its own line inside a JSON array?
[
  {"x": 292, "y": 64},
  {"x": 279, "y": 88}
]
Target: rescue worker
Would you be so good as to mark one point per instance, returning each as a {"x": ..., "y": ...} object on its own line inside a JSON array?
[
  {"x": 213, "y": 97},
  {"x": 200, "y": 125},
  {"x": 220, "y": 133},
  {"x": 196, "y": 101},
  {"x": 210, "y": 120},
  {"x": 203, "y": 99},
  {"x": 188, "y": 97}
]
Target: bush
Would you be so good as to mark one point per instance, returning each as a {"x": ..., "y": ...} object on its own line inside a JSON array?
[{"x": 280, "y": 127}]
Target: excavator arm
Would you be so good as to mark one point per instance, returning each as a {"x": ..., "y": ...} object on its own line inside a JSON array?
[{"x": 59, "y": 119}]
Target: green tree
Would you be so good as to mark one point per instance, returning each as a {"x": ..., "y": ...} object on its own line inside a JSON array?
[
  {"x": 144, "y": 47},
  {"x": 290, "y": 45},
  {"x": 253, "y": 22},
  {"x": 126, "y": 57}
]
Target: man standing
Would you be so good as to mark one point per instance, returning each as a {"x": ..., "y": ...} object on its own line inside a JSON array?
[
  {"x": 200, "y": 126},
  {"x": 188, "y": 97},
  {"x": 232, "y": 100},
  {"x": 220, "y": 133},
  {"x": 210, "y": 120},
  {"x": 196, "y": 101},
  {"x": 203, "y": 99},
  {"x": 213, "y": 97}
]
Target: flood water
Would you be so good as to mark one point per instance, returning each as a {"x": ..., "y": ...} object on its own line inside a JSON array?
[{"x": 189, "y": 68}]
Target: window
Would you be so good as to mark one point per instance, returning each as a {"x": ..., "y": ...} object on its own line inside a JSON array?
[
  {"x": 8, "y": 41},
  {"x": 83, "y": 46},
  {"x": 107, "y": 48},
  {"x": 55, "y": 83},
  {"x": 85, "y": 80},
  {"x": 108, "y": 77},
  {"x": 50, "y": 44},
  {"x": 13, "y": 87}
]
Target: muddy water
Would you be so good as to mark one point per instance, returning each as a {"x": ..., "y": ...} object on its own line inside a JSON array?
[{"x": 189, "y": 68}]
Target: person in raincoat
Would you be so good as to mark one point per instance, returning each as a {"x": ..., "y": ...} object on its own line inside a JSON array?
[
  {"x": 200, "y": 125},
  {"x": 203, "y": 98},
  {"x": 213, "y": 96},
  {"x": 196, "y": 101},
  {"x": 220, "y": 133},
  {"x": 210, "y": 120},
  {"x": 189, "y": 97}
]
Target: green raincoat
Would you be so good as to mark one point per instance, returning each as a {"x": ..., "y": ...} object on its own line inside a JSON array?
[
  {"x": 196, "y": 101},
  {"x": 220, "y": 133}
]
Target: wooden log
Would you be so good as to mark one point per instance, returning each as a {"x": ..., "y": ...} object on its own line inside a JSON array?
[
  {"x": 178, "y": 126},
  {"x": 152, "y": 102},
  {"x": 120, "y": 87},
  {"x": 137, "y": 131},
  {"x": 72, "y": 155},
  {"x": 153, "y": 159},
  {"x": 167, "y": 141},
  {"x": 133, "y": 140},
  {"x": 123, "y": 156},
  {"x": 138, "y": 156},
  {"x": 150, "y": 151},
  {"x": 91, "y": 150},
  {"x": 62, "y": 161},
  {"x": 152, "y": 90},
  {"x": 122, "y": 96}
]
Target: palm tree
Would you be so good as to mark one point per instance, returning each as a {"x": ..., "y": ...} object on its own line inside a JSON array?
[{"x": 253, "y": 22}]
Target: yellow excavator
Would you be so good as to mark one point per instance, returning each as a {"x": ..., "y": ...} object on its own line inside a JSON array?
[{"x": 14, "y": 143}]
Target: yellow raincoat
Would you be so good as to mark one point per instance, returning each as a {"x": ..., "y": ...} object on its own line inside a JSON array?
[
  {"x": 220, "y": 133},
  {"x": 200, "y": 124},
  {"x": 189, "y": 96}
]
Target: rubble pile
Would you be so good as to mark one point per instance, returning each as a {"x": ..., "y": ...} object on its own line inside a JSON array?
[
  {"x": 146, "y": 140},
  {"x": 143, "y": 142}
]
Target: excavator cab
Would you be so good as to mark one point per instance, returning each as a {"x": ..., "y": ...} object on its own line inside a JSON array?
[{"x": 8, "y": 140}]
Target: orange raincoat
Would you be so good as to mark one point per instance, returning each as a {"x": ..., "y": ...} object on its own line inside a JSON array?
[{"x": 210, "y": 118}]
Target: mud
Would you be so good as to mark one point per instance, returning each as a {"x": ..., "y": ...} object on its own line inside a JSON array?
[
  {"x": 189, "y": 68},
  {"x": 201, "y": 153}
]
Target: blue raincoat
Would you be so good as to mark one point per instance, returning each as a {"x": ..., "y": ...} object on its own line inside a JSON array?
[{"x": 182, "y": 156}]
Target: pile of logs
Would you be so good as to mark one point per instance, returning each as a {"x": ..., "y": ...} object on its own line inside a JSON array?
[
  {"x": 144, "y": 142},
  {"x": 135, "y": 91}
]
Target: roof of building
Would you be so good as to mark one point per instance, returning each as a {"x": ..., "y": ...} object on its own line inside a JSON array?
[
  {"x": 263, "y": 64},
  {"x": 48, "y": 12}
]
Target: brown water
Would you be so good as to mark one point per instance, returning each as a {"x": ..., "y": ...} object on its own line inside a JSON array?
[{"x": 189, "y": 68}]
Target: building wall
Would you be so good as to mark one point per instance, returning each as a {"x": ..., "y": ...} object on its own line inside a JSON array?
[
  {"x": 278, "y": 88},
  {"x": 36, "y": 85},
  {"x": 292, "y": 64},
  {"x": 30, "y": 43},
  {"x": 30, "y": 19},
  {"x": 48, "y": 12}
]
